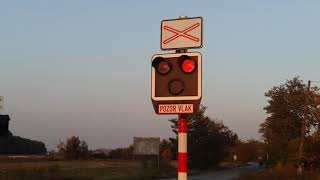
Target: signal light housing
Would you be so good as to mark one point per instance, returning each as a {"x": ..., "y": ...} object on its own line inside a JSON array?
[{"x": 176, "y": 78}]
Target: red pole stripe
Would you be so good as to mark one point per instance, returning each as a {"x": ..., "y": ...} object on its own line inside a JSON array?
[
  {"x": 182, "y": 126},
  {"x": 182, "y": 162}
]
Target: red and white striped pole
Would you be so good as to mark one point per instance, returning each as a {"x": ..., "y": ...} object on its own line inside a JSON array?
[{"x": 182, "y": 147}]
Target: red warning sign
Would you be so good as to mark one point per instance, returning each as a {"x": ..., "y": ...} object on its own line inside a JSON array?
[{"x": 175, "y": 108}]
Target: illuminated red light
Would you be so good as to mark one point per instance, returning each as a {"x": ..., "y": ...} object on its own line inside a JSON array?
[{"x": 188, "y": 66}]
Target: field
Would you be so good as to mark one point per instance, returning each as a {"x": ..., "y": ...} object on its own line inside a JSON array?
[{"x": 72, "y": 170}]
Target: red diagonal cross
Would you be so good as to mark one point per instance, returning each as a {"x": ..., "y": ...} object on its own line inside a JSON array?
[{"x": 183, "y": 33}]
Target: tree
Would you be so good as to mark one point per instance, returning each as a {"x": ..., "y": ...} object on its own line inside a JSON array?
[
  {"x": 73, "y": 148},
  {"x": 249, "y": 150},
  {"x": 209, "y": 141},
  {"x": 290, "y": 105},
  {"x": 165, "y": 150}
]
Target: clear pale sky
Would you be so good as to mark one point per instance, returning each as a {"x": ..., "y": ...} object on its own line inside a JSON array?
[{"x": 83, "y": 67}]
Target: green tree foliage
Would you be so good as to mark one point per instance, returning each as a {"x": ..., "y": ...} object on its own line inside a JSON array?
[
  {"x": 209, "y": 141},
  {"x": 288, "y": 106},
  {"x": 73, "y": 148}
]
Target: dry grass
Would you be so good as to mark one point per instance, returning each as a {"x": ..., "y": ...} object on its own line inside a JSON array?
[{"x": 70, "y": 170}]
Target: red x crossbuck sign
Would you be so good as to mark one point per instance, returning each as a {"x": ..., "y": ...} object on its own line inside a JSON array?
[{"x": 181, "y": 33}]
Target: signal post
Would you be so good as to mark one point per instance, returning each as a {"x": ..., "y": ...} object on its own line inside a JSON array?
[{"x": 176, "y": 78}]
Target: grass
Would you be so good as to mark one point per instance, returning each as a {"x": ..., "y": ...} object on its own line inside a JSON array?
[{"x": 71, "y": 170}]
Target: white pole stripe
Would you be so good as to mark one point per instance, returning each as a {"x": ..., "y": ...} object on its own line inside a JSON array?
[
  {"x": 182, "y": 145},
  {"x": 182, "y": 175}
]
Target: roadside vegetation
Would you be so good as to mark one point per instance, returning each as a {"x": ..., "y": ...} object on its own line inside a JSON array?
[
  {"x": 209, "y": 140},
  {"x": 294, "y": 115},
  {"x": 77, "y": 170},
  {"x": 74, "y": 161},
  {"x": 291, "y": 106},
  {"x": 209, "y": 143}
]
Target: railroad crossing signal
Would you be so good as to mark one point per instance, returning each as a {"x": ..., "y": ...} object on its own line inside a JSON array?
[
  {"x": 176, "y": 79},
  {"x": 176, "y": 82},
  {"x": 182, "y": 33}
]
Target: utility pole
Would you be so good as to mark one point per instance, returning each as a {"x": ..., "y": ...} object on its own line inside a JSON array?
[{"x": 303, "y": 130}]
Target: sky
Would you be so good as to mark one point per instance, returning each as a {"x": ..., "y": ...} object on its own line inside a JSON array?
[{"x": 82, "y": 68}]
